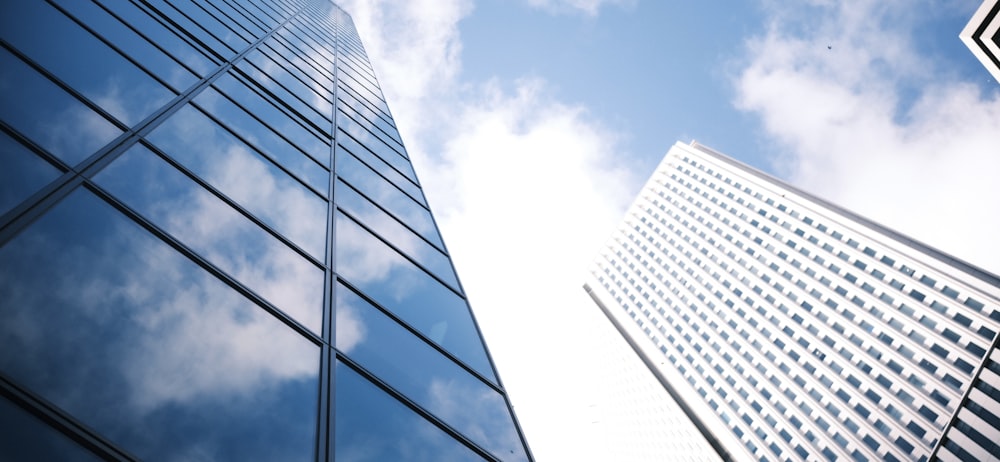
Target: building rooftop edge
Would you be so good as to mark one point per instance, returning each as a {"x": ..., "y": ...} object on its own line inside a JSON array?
[{"x": 980, "y": 273}]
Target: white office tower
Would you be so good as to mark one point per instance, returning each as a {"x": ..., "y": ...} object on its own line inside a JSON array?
[{"x": 791, "y": 329}]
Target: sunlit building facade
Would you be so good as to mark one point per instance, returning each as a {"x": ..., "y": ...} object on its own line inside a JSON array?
[
  {"x": 982, "y": 36},
  {"x": 792, "y": 329},
  {"x": 213, "y": 246}
]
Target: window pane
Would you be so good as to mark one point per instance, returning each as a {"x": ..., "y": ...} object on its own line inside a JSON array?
[
  {"x": 373, "y": 426},
  {"x": 282, "y": 122},
  {"x": 115, "y": 327},
  {"x": 237, "y": 171},
  {"x": 215, "y": 230},
  {"x": 389, "y": 197},
  {"x": 395, "y": 233},
  {"x": 42, "y": 111},
  {"x": 81, "y": 60},
  {"x": 386, "y": 170},
  {"x": 165, "y": 38},
  {"x": 365, "y": 153},
  {"x": 348, "y": 117},
  {"x": 22, "y": 174},
  {"x": 259, "y": 73},
  {"x": 409, "y": 292},
  {"x": 432, "y": 380},
  {"x": 265, "y": 138},
  {"x": 131, "y": 43},
  {"x": 25, "y": 437}
]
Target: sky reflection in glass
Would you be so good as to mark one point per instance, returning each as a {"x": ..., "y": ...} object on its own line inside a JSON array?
[
  {"x": 373, "y": 426},
  {"x": 22, "y": 174},
  {"x": 78, "y": 58},
  {"x": 409, "y": 292},
  {"x": 424, "y": 375},
  {"x": 307, "y": 140},
  {"x": 379, "y": 165},
  {"x": 395, "y": 233},
  {"x": 215, "y": 230},
  {"x": 25, "y": 437},
  {"x": 48, "y": 115},
  {"x": 237, "y": 171},
  {"x": 135, "y": 340},
  {"x": 379, "y": 190},
  {"x": 265, "y": 138}
]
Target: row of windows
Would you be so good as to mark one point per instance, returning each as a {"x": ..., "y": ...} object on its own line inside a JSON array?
[
  {"x": 870, "y": 251},
  {"x": 753, "y": 270},
  {"x": 837, "y": 289},
  {"x": 882, "y": 337},
  {"x": 968, "y": 344}
]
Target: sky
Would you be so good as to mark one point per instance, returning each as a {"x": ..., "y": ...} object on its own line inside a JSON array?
[{"x": 532, "y": 124}]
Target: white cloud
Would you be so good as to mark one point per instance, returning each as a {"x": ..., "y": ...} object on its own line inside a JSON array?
[
  {"x": 587, "y": 7},
  {"x": 525, "y": 188},
  {"x": 838, "y": 100}
]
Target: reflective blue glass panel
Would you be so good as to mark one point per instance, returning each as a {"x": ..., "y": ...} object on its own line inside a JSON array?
[
  {"x": 390, "y": 172},
  {"x": 110, "y": 324},
  {"x": 22, "y": 172},
  {"x": 433, "y": 381},
  {"x": 26, "y": 438},
  {"x": 373, "y": 426},
  {"x": 265, "y": 138},
  {"x": 160, "y": 34},
  {"x": 234, "y": 168},
  {"x": 307, "y": 140},
  {"x": 389, "y": 197},
  {"x": 78, "y": 58},
  {"x": 130, "y": 42},
  {"x": 409, "y": 292},
  {"x": 395, "y": 233},
  {"x": 219, "y": 233},
  {"x": 49, "y": 116}
]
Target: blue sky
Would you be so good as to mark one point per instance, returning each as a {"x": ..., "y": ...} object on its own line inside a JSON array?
[{"x": 533, "y": 123}]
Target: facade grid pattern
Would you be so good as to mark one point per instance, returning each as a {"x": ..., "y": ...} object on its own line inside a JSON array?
[
  {"x": 213, "y": 246},
  {"x": 791, "y": 328}
]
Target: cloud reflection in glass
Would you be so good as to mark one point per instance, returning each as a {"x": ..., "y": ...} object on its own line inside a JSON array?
[
  {"x": 218, "y": 232},
  {"x": 114, "y": 326},
  {"x": 432, "y": 380}
]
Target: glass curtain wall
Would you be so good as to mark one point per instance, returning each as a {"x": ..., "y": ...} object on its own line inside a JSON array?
[{"x": 213, "y": 246}]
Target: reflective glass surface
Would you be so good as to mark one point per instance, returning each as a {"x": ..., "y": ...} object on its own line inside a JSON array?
[
  {"x": 424, "y": 375},
  {"x": 409, "y": 292},
  {"x": 130, "y": 42},
  {"x": 26, "y": 438},
  {"x": 220, "y": 158},
  {"x": 280, "y": 120},
  {"x": 216, "y": 231},
  {"x": 373, "y": 426},
  {"x": 262, "y": 136},
  {"x": 78, "y": 58},
  {"x": 136, "y": 341},
  {"x": 376, "y": 163},
  {"x": 159, "y": 34},
  {"x": 48, "y": 115},
  {"x": 180, "y": 292},
  {"x": 22, "y": 173},
  {"x": 392, "y": 199},
  {"x": 395, "y": 233}
]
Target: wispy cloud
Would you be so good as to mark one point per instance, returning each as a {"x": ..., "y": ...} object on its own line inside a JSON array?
[
  {"x": 524, "y": 188},
  {"x": 586, "y": 7},
  {"x": 863, "y": 116}
]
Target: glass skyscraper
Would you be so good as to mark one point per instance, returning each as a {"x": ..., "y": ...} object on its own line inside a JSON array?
[
  {"x": 792, "y": 329},
  {"x": 213, "y": 246}
]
